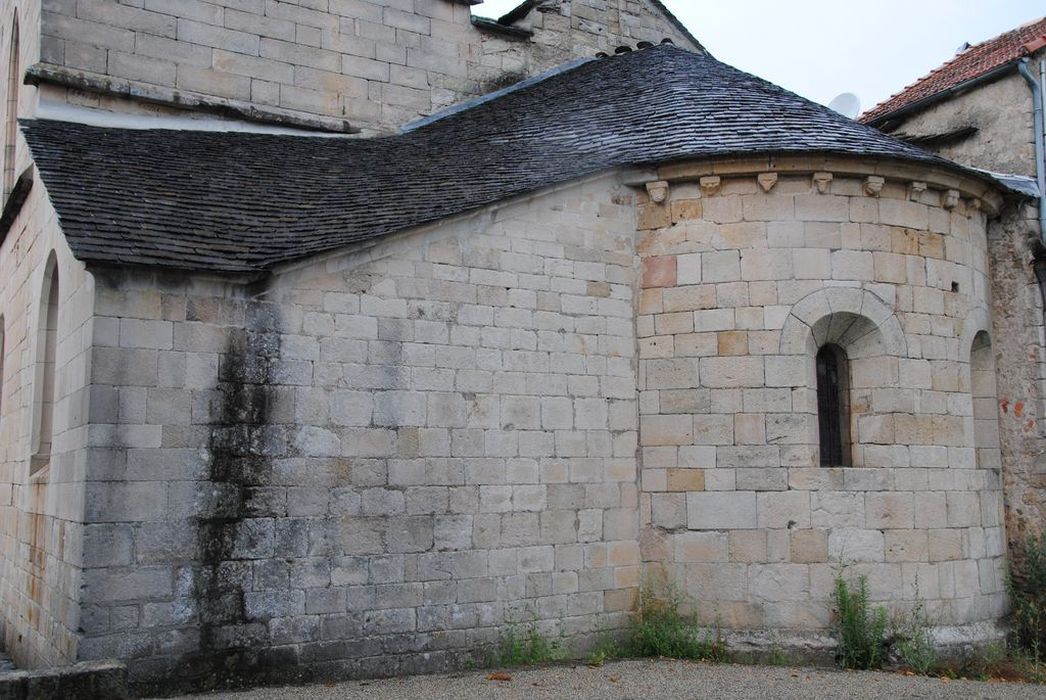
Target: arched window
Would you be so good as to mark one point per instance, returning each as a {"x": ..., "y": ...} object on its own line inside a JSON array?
[
  {"x": 985, "y": 403},
  {"x": 11, "y": 118},
  {"x": 46, "y": 345},
  {"x": 833, "y": 406}
]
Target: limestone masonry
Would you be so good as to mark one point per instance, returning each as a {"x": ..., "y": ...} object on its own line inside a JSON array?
[{"x": 569, "y": 344}]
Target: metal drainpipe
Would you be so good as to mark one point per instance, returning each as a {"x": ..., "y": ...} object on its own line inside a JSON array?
[
  {"x": 1040, "y": 165},
  {"x": 1039, "y": 261}
]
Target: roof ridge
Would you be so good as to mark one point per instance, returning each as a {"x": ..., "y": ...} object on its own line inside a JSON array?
[{"x": 1000, "y": 35}]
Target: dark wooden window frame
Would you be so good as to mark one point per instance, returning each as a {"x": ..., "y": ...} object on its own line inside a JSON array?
[{"x": 833, "y": 406}]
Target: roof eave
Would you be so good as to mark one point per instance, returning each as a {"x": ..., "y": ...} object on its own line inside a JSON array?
[
  {"x": 930, "y": 100},
  {"x": 15, "y": 201},
  {"x": 491, "y": 25}
]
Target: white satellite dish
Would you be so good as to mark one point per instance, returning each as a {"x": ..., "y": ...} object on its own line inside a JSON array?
[{"x": 846, "y": 104}]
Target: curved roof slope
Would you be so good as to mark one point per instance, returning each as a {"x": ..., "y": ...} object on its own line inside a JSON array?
[
  {"x": 972, "y": 63},
  {"x": 234, "y": 202}
]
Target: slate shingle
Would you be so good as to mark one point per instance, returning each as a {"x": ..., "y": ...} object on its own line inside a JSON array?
[{"x": 236, "y": 202}]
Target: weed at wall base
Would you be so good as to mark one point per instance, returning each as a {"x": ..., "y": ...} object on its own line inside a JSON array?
[
  {"x": 1027, "y": 584},
  {"x": 860, "y": 629},
  {"x": 606, "y": 649},
  {"x": 525, "y": 646},
  {"x": 661, "y": 629},
  {"x": 913, "y": 645}
]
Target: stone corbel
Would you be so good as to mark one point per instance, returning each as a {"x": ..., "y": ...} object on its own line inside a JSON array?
[
  {"x": 822, "y": 181},
  {"x": 973, "y": 206},
  {"x": 658, "y": 191},
  {"x": 767, "y": 181},
  {"x": 710, "y": 185},
  {"x": 915, "y": 190},
  {"x": 873, "y": 185},
  {"x": 950, "y": 199}
]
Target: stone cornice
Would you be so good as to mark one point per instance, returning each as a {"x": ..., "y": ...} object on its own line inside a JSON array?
[{"x": 971, "y": 187}]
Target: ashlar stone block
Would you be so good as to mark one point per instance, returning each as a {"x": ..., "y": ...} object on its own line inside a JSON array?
[
  {"x": 722, "y": 266},
  {"x": 666, "y": 430},
  {"x": 890, "y": 510},
  {"x": 809, "y": 546},
  {"x": 784, "y": 509},
  {"x": 729, "y": 372},
  {"x": 722, "y": 511},
  {"x": 847, "y": 545}
]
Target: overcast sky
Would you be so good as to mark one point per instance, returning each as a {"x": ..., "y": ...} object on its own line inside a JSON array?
[{"x": 820, "y": 48}]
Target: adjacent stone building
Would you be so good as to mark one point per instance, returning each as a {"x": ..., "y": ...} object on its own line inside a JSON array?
[{"x": 283, "y": 405}]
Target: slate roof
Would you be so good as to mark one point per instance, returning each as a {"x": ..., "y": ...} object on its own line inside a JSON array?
[
  {"x": 972, "y": 63},
  {"x": 236, "y": 202}
]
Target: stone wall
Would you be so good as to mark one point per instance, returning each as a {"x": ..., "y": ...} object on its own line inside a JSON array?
[
  {"x": 375, "y": 463},
  {"x": 744, "y": 279},
  {"x": 376, "y": 64},
  {"x": 1002, "y": 112},
  {"x": 41, "y": 515},
  {"x": 1018, "y": 317}
]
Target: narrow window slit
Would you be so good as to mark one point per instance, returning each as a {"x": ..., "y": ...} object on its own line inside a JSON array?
[{"x": 833, "y": 406}]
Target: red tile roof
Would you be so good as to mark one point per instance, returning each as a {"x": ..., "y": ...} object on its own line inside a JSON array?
[{"x": 972, "y": 63}]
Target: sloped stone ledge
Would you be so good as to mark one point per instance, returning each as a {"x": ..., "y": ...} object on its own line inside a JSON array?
[
  {"x": 89, "y": 680},
  {"x": 87, "y": 81}
]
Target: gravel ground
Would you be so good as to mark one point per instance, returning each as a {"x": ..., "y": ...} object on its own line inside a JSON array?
[{"x": 651, "y": 680}]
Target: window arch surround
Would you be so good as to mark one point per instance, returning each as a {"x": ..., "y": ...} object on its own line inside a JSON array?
[
  {"x": 853, "y": 335},
  {"x": 11, "y": 107},
  {"x": 45, "y": 375},
  {"x": 824, "y": 315}
]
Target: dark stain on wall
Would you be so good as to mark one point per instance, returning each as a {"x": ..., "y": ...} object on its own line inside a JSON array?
[{"x": 229, "y": 532}]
